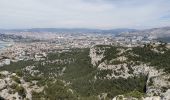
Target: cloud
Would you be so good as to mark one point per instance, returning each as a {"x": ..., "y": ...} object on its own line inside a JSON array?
[{"x": 103, "y": 14}]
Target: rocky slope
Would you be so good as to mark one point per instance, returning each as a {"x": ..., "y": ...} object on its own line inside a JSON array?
[
  {"x": 103, "y": 72},
  {"x": 158, "y": 81},
  {"x": 14, "y": 87}
]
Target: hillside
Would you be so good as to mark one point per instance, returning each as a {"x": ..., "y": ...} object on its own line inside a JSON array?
[
  {"x": 98, "y": 73},
  {"x": 161, "y": 32}
]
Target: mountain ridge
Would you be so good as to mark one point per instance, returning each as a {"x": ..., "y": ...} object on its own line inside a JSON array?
[
  {"x": 154, "y": 32},
  {"x": 67, "y": 30}
]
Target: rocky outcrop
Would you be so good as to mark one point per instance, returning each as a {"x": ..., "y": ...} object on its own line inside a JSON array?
[
  {"x": 14, "y": 87},
  {"x": 96, "y": 55},
  {"x": 121, "y": 97},
  {"x": 157, "y": 84}
]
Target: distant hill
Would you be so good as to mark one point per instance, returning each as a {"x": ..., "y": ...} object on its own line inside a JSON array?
[
  {"x": 71, "y": 30},
  {"x": 164, "y": 39},
  {"x": 155, "y": 32}
]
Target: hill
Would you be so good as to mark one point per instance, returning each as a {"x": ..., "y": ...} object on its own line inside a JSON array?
[
  {"x": 100, "y": 72},
  {"x": 154, "y": 32}
]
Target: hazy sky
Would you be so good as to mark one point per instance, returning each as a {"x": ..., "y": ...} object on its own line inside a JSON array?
[{"x": 103, "y": 14}]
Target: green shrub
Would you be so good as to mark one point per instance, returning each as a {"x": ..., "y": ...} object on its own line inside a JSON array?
[
  {"x": 37, "y": 96},
  {"x": 16, "y": 79},
  {"x": 135, "y": 94},
  {"x": 58, "y": 91},
  {"x": 13, "y": 86},
  {"x": 19, "y": 73},
  {"x": 21, "y": 91},
  {"x": 2, "y": 76}
]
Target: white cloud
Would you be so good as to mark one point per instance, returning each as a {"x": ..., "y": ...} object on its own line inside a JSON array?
[{"x": 83, "y": 13}]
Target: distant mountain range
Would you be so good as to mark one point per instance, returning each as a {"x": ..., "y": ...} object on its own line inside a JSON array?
[
  {"x": 161, "y": 34},
  {"x": 155, "y": 32},
  {"x": 71, "y": 30}
]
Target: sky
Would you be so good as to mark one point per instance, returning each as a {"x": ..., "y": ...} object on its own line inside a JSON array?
[{"x": 98, "y": 14}]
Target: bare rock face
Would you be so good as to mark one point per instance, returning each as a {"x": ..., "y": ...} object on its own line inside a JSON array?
[
  {"x": 152, "y": 98},
  {"x": 3, "y": 84},
  {"x": 96, "y": 58},
  {"x": 121, "y": 97},
  {"x": 119, "y": 71},
  {"x": 159, "y": 85},
  {"x": 166, "y": 95}
]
